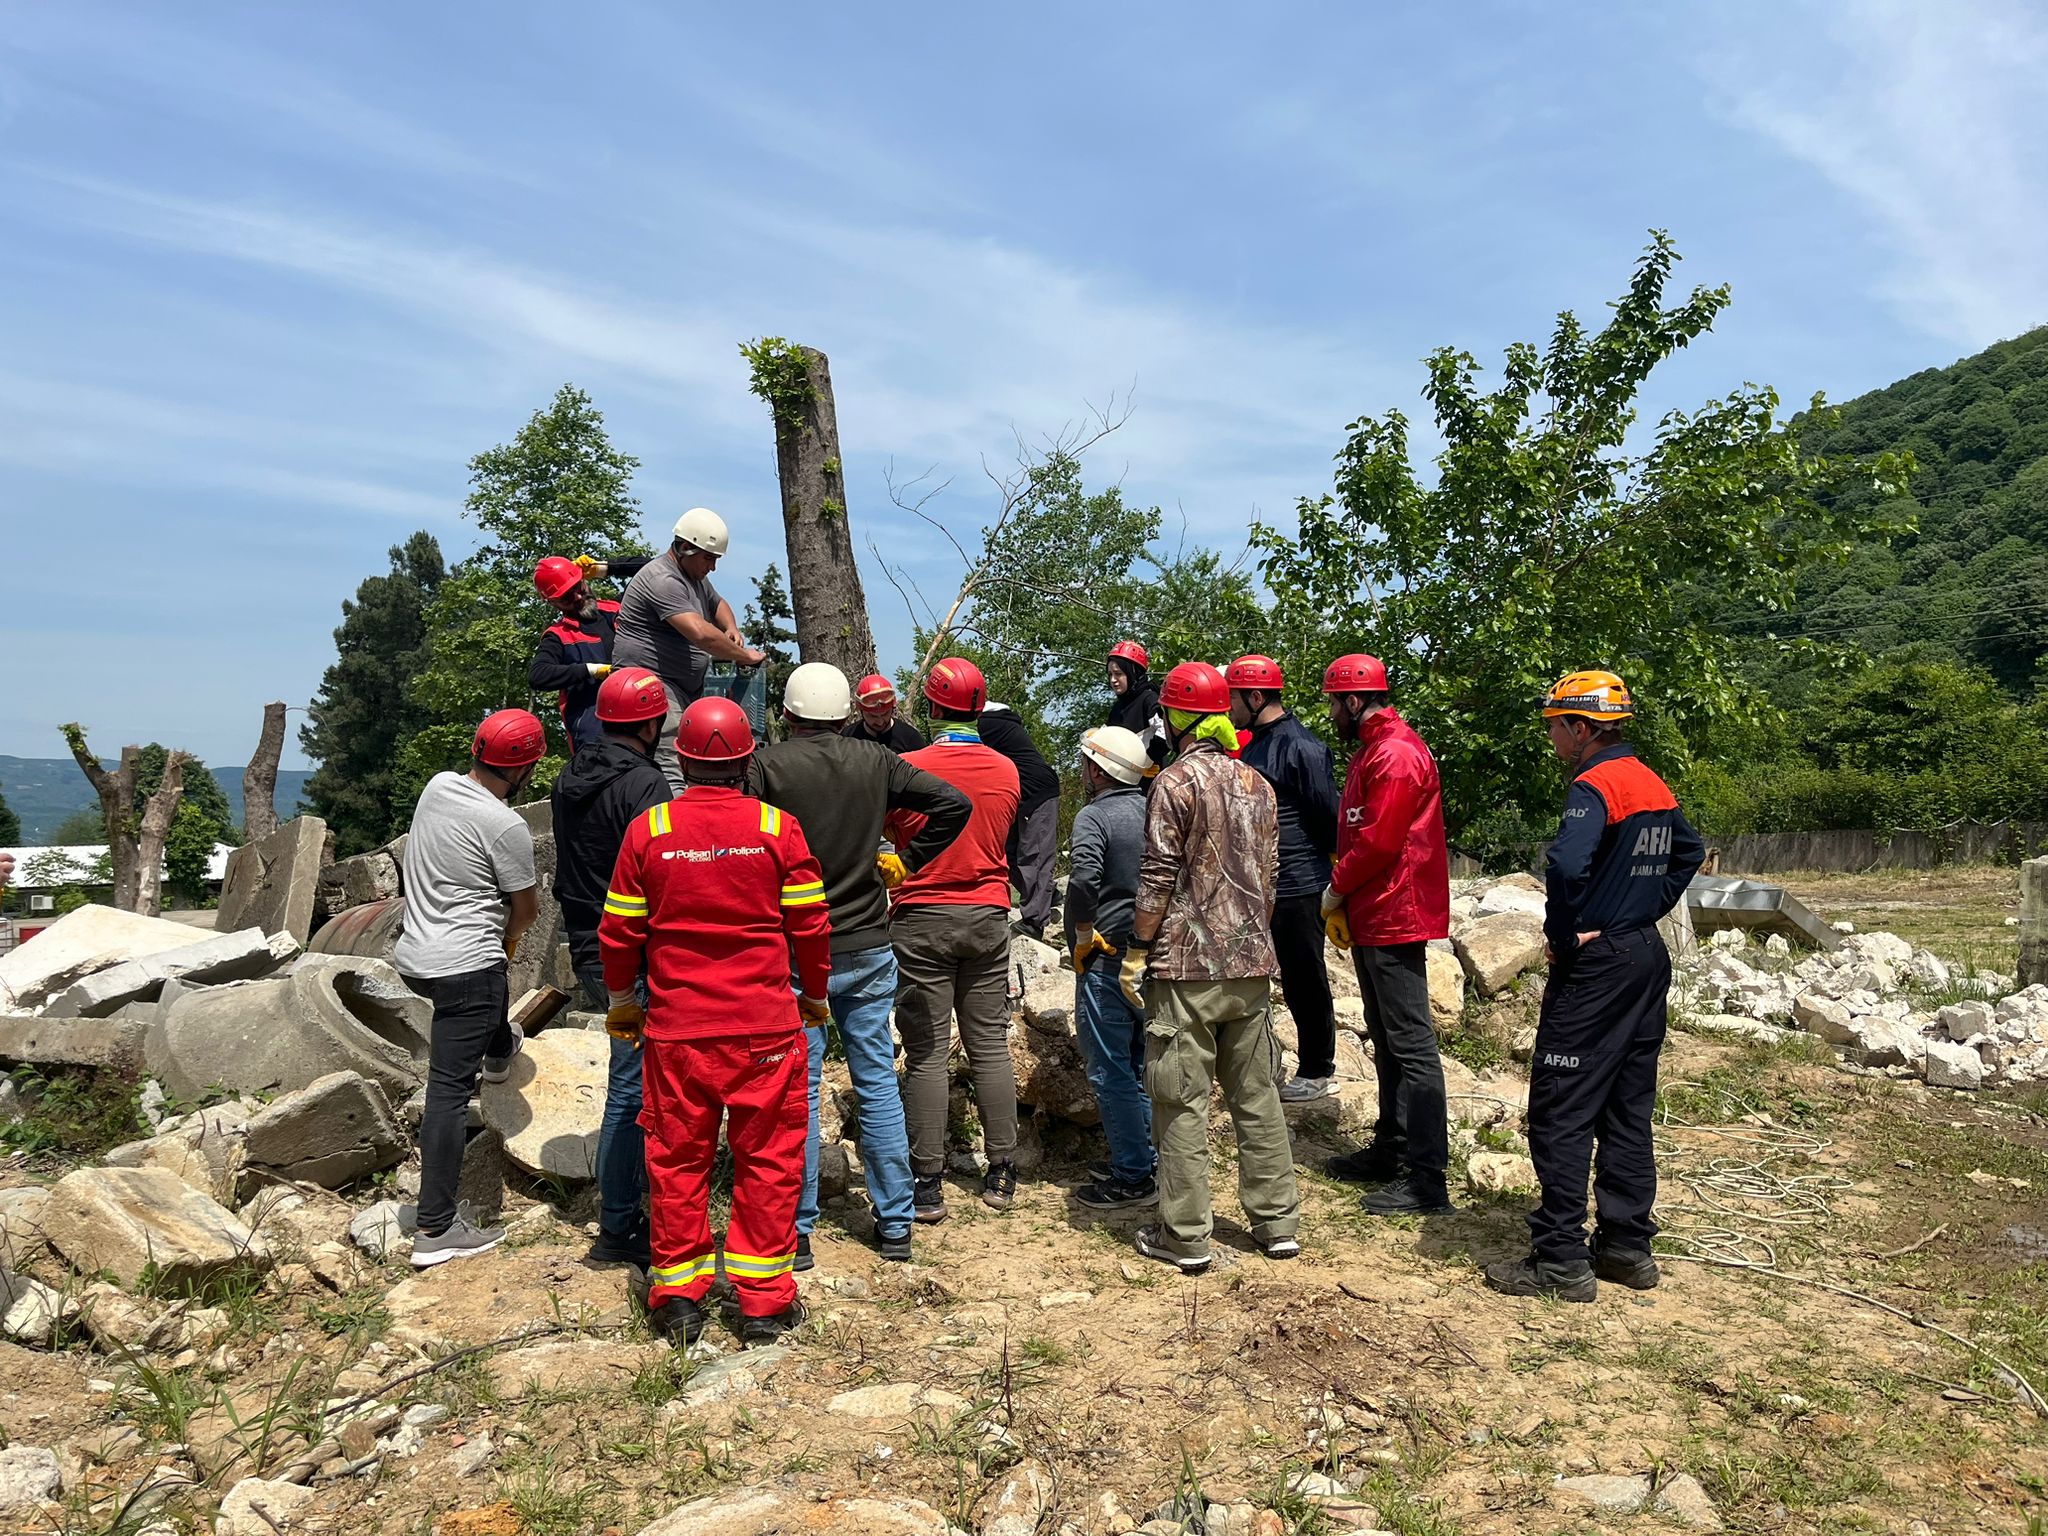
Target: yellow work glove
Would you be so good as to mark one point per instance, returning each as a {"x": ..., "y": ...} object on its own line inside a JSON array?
[
  {"x": 816, "y": 1010},
  {"x": 1087, "y": 949},
  {"x": 1131, "y": 976},
  {"x": 1338, "y": 927},
  {"x": 890, "y": 867},
  {"x": 626, "y": 1021},
  {"x": 598, "y": 669},
  {"x": 588, "y": 564}
]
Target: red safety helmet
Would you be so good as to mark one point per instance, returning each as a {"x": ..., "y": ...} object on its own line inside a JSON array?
[
  {"x": 1196, "y": 687},
  {"x": 956, "y": 683},
  {"x": 1261, "y": 672},
  {"x": 714, "y": 731},
  {"x": 631, "y": 695},
  {"x": 874, "y": 691},
  {"x": 1356, "y": 673},
  {"x": 1131, "y": 651},
  {"x": 556, "y": 575},
  {"x": 509, "y": 738}
]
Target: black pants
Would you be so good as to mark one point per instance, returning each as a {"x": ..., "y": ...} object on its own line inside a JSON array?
[
  {"x": 1594, "y": 1079},
  {"x": 470, "y": 1023},
  {"x": 1394, "y": 981},
  {"x": 1033, "y": 843},
  {"x": 1298, "y": 940}
]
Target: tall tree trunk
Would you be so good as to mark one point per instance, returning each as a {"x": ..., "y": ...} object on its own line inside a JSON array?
[
  {"x": 117, "y": 795},
  {"x": 158, "y": 811},
  {"x": 824, "y": 582},
  {"x": 259, "y": 779}
]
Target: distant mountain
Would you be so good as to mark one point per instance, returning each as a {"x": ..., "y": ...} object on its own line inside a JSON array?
[{"x": 45, "y": 790}]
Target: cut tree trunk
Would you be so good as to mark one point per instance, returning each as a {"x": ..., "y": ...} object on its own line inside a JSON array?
[
  {"x": 259, "y": 779},
  {"x": 117, "y": 793},
  {"x": 824, "y": 582},
  {"x": 158, "y": 811}
]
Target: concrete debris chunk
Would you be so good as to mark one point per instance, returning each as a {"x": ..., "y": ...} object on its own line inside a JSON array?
[
  {"x": 31, "y": 1312},
  {"x": 1501, "y": 1173},
  {"x": 92, "y": 938},
  {"x": 1495, "y": 950},
  {"x": 332, "y": 1132},
  {"x": 135, "y": 1221},
  {"x": 29, "y": 1478},
  {"x": 551, "y": 1107},
  {"x": 1446, "y": 988},
  {"x": 28, "y": 1039},
  {"x": 356, "y": 882},
  {"x": 270, "y": 883},
  {"x": 238, "y": 956},
  {"x": 207, "y": 1149},
  {"x": 1954, "y": 1066},
  {"x": 259, "y": 1507},
  {"x": 382, "y": 1227}
]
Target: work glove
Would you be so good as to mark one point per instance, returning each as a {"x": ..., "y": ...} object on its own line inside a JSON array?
[
  {"x": 1131, "y": 976},
  {"x": 590, "y": 565},
  {"x": 626, "y": 1020},
  {"x": 891, "y": 868},
  {"x": 1332, "y": 902},
  {"x": 599, "y": 669},
  {"x": 816, "y": 1010},
  {"x": 1087, "y": 949},
  {"x": 1338, "y": 927}
]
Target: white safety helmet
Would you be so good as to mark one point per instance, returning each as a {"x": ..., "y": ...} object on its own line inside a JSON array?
[
  {"x": 704, "y": 529},
  {"x": 1117, "y": 752},
  {"x": 817, "y": 694}
]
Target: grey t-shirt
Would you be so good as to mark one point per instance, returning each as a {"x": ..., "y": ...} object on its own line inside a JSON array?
[
  {"x": 466, "y": 853},
  {"x": 645, "y": 638}
]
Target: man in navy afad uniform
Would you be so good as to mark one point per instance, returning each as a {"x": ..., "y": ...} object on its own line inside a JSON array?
[{"x": 1623, "y": 857}]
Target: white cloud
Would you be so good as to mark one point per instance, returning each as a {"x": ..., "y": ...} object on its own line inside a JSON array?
[{"x": 1935, "y": 119}]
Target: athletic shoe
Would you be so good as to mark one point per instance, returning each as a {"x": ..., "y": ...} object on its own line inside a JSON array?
[
  {"x": 766, "y": 1330},
  {"x": 1374, "y": 1164},
  {"x": 803, "y": 1260},
  {"x": 1099, "y": 1171},
  {"x": 459, "y": 1241},
  {"x": 895, "y": 1249},
  {"x": 678, "y": 1318},
  {"x": 611, "y": 1248},
  {"x": 1306, "y": 1090},
  {"x": 999, "y": 1186},
  {"x": 1116, "y": 1195},
  {"x": 1539, "y": 1277},
  {"x": 498, "y": 1068},
  {"x": 1152, "y": 1242},
  {"x": 928, "y": 1197},
  {"x": 1626, "y": 1266},
  {"x": 1410, "y": 1195},
  {"x": 1280, "y": 1248}
]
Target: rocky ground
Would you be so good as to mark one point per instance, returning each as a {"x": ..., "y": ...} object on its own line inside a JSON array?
[{"x": 212, "y": 1327}]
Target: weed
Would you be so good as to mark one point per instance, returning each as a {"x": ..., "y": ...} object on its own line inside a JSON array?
[
  {"x": 549, "y": 1505},
  {"x": 161, "y": 1401},
  {"x": 359, "y": 1313},
  {"x": 1043, "y": 1351},
  {"x": 1401, "y": 1510},
  {"x": 1475, "y": 1048},
  {"x": 74, "y": 1110},
  {"x": 662, "y": 1379}
]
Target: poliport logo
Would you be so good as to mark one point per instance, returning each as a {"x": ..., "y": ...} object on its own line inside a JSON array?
[{"x": 706, "y": 855}]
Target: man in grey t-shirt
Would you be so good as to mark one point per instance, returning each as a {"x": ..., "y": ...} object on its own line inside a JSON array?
[
  {"x": 469, "y": 896},
  {"x": 673, "y": 622}
]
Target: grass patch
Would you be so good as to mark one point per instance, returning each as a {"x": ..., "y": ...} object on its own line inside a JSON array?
[
  {"x": 551, "y": 1504},
  {"x": 75, "y": 1111}
]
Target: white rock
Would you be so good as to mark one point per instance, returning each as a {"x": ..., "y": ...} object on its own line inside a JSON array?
[
  {"x": 1843, "y": 925},
  {"x": 1727, "y": 939},
  {"x": 1509, "y": 898},
  {"x": 1871, "y": 975},
  {"x": 1953, "y": 1066},
  {"x": 30, "y": 1311},
  {"x": 1928, "y": 971},
  {"x": 1501, "y": 1173},
  {"x": 128, "y": 1220},
  {"x": 1882, "y": 1042},
  {"x": 1684, "y": 1500},
  {"x": 1964, "y": 1021},
  {"x": 1823, "y": 1016},
  {"x": 1887, "y": 948},
  {"x": 29, "y": 1477},
  {"x": 1619, "y": 1495},
  {"x": 1495, "y": 950},
  {"x": 1777, "y": 946},
  {"x": 259, "y": 1507},
  {"x": 894, "y": 1400},
  {"x": 380, "y": 1228}
]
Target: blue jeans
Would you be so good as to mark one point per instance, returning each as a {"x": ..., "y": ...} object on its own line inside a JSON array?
[
  {"x": 1113, "y": 1045},
  {"x": 862, "y": 993},
  {"x": 621, "y": 1144}
]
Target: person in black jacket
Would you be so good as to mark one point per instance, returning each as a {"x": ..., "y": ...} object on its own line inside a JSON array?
[
  {"x": 1295, "y": 762},
  {"x": 595, "y": 799},
  {"x": 575, "y": 654},
  {"x": 878, "y": 721},
  {"x": 1035, "y": 834},
  {"x": 841, "y": 790},
  {"x": 1134, "y": 701}
]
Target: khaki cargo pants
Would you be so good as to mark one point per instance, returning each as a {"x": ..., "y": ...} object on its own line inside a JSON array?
[{"x": 1196, "y": 1034}]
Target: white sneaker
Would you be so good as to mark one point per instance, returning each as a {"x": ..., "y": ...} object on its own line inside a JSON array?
[
  {"x": 1306, "y": 1090},
  {"x": 498, "y": 1068}
]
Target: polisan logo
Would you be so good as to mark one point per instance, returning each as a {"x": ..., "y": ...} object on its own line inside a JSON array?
[{"x": 706, "y": 855}]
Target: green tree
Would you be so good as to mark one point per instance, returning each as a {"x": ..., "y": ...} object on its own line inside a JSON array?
[
  {"x": 202, "y": 790},
  {"x": 365, "y": 711},
  {"x": 764, "y": 625},
  {"x": 1548, "y": 540},
  {"x": 10, "y": 825},
  {"x": 558, "y": 488},
  {"x": 83, "y": 826},
  {"x": 188, "y": 850},
  {"x": 1908, "y": 717}
]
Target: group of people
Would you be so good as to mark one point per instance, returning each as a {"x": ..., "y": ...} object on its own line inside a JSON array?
[{"x": 726, "y": 900}]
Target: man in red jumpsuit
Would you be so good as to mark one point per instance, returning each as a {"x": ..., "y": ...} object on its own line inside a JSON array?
[{"x": 715, "y": 892}]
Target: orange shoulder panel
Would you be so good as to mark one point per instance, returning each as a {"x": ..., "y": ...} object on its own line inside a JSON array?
[{"x": 1629, "y": 786}]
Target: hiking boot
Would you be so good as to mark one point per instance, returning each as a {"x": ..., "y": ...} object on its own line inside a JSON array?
[
  {"x": 1410, "y": 1195},
  {"x": 1631, "y": 1267},
  {"x": 498, "y": 1068},
  {"x": 1280, "y": 1247},
  {"x": 896, "y": 1249},
  {"x": 1539, "y": 1277},
  {"x": 679, "y": 1320},
  {"x": 1306, "y": 1090},
  {"x": 612, "y": 1248},
  {"x": 766, "y": 1330},
  {"x": 1116, "y": 1195},
  {"x": 460, "y": 1240},
  {"x": 999, "y": 1186},
  {"x": 928, "y": 1197},
  {"x": 1375, "y": 1164},
  {"x": 1152, "y": 1242},
  {"x": 803, "y": 1260}
]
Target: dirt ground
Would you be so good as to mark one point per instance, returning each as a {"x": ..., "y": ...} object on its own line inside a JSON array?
[{"x": 1959, "y": 912}]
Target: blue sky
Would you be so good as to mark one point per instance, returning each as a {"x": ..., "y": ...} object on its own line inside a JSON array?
[{"x": 269, "y": 275}]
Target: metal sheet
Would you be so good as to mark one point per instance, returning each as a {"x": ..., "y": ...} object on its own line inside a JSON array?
[{"x": 1724, "y": 901}]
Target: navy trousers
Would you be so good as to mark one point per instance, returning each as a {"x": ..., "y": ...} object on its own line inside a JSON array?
[{"x": 1592, "y": 1088}]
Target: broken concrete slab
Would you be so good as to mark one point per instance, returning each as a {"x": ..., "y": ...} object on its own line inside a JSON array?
[
  {"x": 356, "y": 882},
  {"x": 332, "y": 1132},
  {"x": 1495, "y": 950},
  {"x": 28, "y": 1039},
  {"x": 129, "y": 1222},
  {"x": 550, "y": 1108},
  {"x": 207, "y": 1149},
  {"x": 79, "y": 943},
  {"x": 282, "y": 1033},
  {"x": 1051, "y": 1076},
  {"x": 271, "y": 882},
  {"x": 238, "y": 956}
]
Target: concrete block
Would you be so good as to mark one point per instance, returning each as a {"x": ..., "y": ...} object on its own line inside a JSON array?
[
  {"x": 271, "y": 882},
  {"x": 28, "y": 1039},
  {"x": 79, "y": 943},
  {"x": 128, "y": 1221},
  {"x": 235, "y": 956},
  {"x": 1495, "y": 950},
  {"x": 356, "y": 882},
  {"x": 206, "y": 1149},
  {"x": 2033, "y": 922},
  {"x": 550, "y": 1108},
  {"x": 331, "y": 1132}
]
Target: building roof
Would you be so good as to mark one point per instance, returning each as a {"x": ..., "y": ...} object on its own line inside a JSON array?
[{"x": 51, "y": 865}]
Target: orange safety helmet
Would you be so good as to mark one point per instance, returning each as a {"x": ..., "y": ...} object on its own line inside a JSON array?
[
  {"x": 556, "y": 575},
  {"x": 1196, "y": 687},
  {"x": 714, "y": 731},
  {"x": 1131, "y": 651},
  {"x": 1356, "y": 673},
  {"x": 1592, "y": 695},
  {"x": 509, "y": 738},
  {"x": 1261, "y": 672},
  {"x": 873, "y": 691},
  {"x": 631, "y": 695},
  {"x": 956, "y": 683}
]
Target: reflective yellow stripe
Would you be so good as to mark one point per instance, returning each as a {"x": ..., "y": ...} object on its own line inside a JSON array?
[
  {"x": 615, "y": 899},
  {"x": 658, "y": 820},
  {"x": 758, "y": 1268},
  {"x": 619, "y": 908},
  {"x": 804, "y": 895},
  {"x": 683, "y": 1273},
  {"x": 771, "y": 820}
]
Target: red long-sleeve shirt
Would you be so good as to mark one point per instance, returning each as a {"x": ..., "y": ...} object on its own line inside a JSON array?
[
  {"x": 713, "y": 892},
  {"x": 1392, "y": 867}
]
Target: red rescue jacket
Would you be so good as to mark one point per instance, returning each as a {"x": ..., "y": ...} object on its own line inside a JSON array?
[
  {"x": 716, "y": 890},
  {"x": 1393, "y": 866}
]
